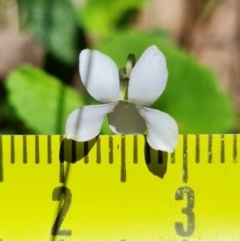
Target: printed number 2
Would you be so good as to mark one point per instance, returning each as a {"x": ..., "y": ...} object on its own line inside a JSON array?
[
  {"x": 59, "y": 194},
  {"x": 188, "y": 210}
]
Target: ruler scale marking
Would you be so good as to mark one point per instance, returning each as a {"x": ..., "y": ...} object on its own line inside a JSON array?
[
  {"x": 147, "y": 153},
  {"x": 135, "y": 149},
  {"x": 49, "y": 149},
  {"x": 173, "y": 157},
  {"x": 37, "y": 153},
  {"x": 25, "y": 156},
  {"x": 62, "y": 176},
  {"x": 61, "y": 162},
  {"x": 210, "y": 149},
  {"x": 197, "y": 158},
  {"x": 222, "y": 159},
  {"x": 235, "y": 148},
  {"x": 74, "y": 151},
  {"x": 98, "y": 149},
  {"x": 85, "y": 149},
  {"x": 110, "y": 144},
  {"x": 12, "y": 146},
  {"x": 185, "y": 159},
  {"x": 123, "y": 159}
]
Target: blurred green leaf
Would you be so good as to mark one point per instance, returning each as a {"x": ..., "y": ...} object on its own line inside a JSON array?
[
  {"x": 9, "y": 122},
  {"x": 193, "y": 96},
  {"x": 41, "y": 100},
  {"x": 100, "y": 16},
  {"x": 54, "y": 24}
]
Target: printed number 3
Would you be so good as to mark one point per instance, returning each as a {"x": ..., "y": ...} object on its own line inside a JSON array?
[
  {"x": 188, "y": 210},
  {"x": 59, "y": 194}
]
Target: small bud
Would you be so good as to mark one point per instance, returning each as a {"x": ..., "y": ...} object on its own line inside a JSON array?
[{"x": 124, "y": 75}]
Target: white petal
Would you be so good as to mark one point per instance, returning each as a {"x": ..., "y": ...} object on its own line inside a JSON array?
[
  {"x": 99, "y": 75},
  {"x": 148, "y": 78},
  {"x": 125, "y": 119},
  {"x": 85, "y": 123},
  {"x": 162, "y": 129}
]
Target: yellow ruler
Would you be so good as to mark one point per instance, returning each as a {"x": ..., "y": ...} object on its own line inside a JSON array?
[{"x": 117, "y": 188}]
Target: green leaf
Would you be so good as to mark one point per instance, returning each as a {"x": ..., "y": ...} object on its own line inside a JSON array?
[
  {"x": 41, "y": 100},
  {"x": 54, "y": 24},
  {"x": 101, "y": 16},
  {"x": 193, "y": 95}
]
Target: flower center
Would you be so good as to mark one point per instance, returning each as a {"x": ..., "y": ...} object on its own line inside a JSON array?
[{"x": 124, "y": 75}]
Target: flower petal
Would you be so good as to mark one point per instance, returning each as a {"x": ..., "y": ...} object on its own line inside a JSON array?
[
  {"x": 162, "y": 129},
  {"x": 125, "y": 119},
  {"x": 99, "y": 75},
  {"x": 148, "y": 77},
  {"x": 85, "y": 123}
]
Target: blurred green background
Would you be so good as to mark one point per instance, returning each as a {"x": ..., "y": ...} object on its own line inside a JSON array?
[{"x": 40, "y": 41}]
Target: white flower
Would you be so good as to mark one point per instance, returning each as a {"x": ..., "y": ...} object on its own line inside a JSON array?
[{"x": 125, "y": 95}]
